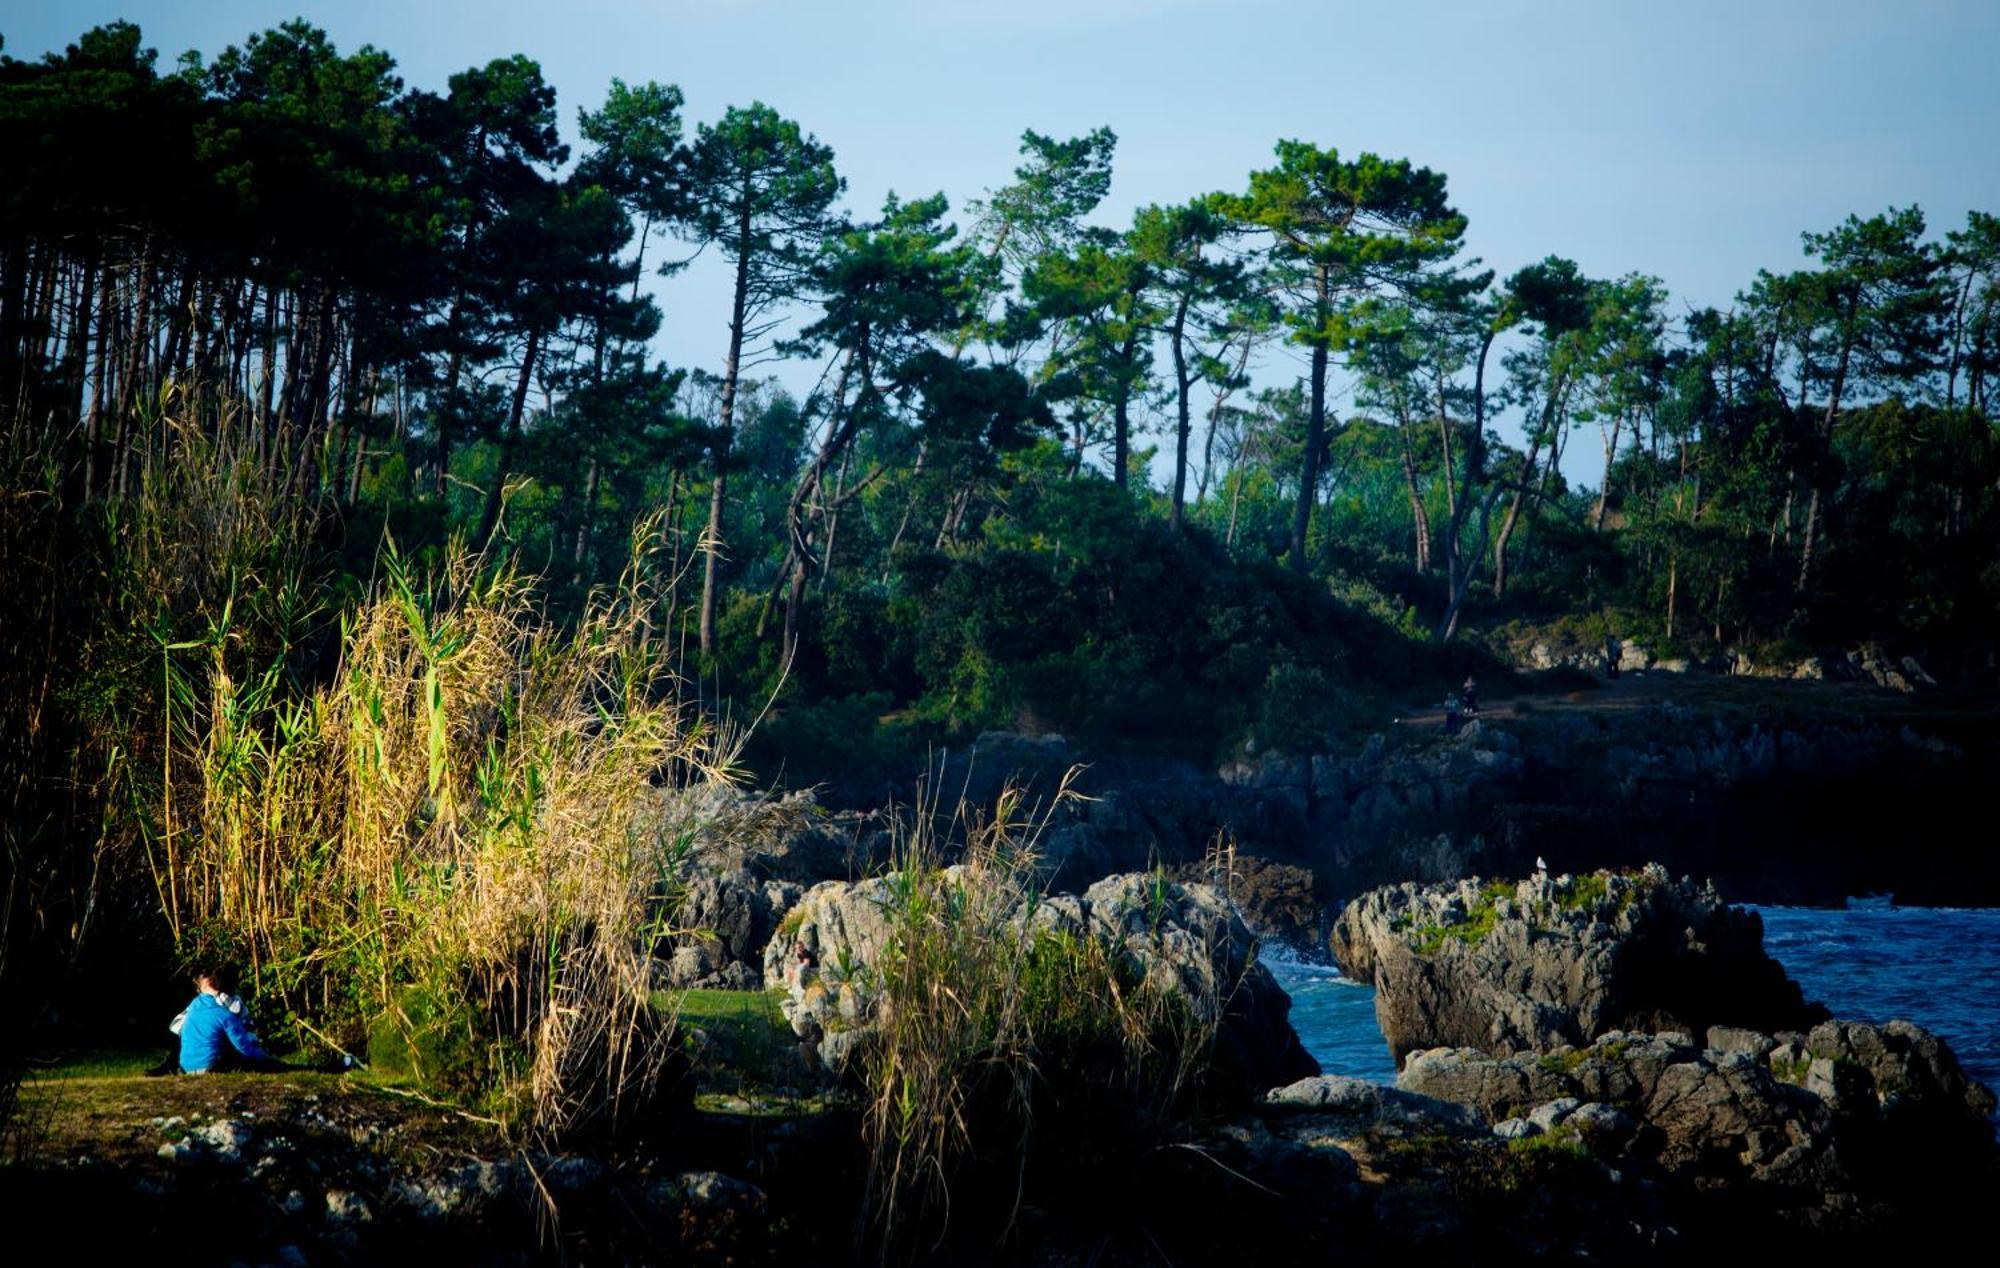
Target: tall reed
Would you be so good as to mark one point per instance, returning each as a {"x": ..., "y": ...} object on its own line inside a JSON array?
[
  {"x": 463, "y": 847},
  {"x": 1010, "y": 1029},
  {"x": 204, "y": 535}
]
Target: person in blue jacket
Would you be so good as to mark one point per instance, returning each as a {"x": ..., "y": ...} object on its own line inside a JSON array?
[{"x": 215, "y": 1034}]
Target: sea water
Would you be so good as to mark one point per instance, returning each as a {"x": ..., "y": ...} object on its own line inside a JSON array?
[
  {"x": 1335, "y": 1018},
  {"x": 1937, "y": 967}
]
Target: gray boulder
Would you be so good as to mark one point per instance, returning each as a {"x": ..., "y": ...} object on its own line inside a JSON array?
[
  {"x": 824, "y": 958},
  {"x": 1358, "y": 1106},
  {"x": 1552, "y": 1115},
  {"x": 1555, "y": 962},
  {"x": 1898, "y": 1074},
  {"x": 748, "y": 859},
  {"x": 728, "y": 919},
  {"x": 1713, "y": 1117},
  {"x": 1516, "y": 1128},
  {"x": 1180, "y": 938}
]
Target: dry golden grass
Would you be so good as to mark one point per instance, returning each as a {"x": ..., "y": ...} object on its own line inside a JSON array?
[
  {"x": 471, "y": 837},
  {"x": 990, "y": 999}
]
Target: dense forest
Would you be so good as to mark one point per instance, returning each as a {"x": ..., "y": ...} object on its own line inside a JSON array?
[{"x": 274, "y": 325}]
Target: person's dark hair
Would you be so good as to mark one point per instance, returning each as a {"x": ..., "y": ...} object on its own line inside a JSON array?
[{"x": 220, "y": 974}]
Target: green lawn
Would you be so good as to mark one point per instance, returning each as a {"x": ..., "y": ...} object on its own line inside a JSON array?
[
  {"x": 110, "y": 1062},
  {"x": 745, "y": 1056}
]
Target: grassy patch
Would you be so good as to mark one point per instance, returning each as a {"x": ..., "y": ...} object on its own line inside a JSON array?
[
  {"x": 125, "y": 1062},
  {"x": 1567, "y": 1063},
  {"x": 122, "y": 1120},
  {"x": 1560, "y": 1143},
  {"x": 1585, "y": 893},
  {"x": 742, "y": 1047},
  {"x": 1479, "y": 921},
  {"x": 1563, "y": 1062},
  {"x": 790, "y": 923}
]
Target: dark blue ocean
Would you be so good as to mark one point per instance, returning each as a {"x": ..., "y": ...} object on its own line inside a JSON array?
[{"x": 1937, "y": 967}]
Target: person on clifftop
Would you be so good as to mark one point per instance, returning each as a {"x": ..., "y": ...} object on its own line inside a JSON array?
[{"x": 215, "y": 1031}]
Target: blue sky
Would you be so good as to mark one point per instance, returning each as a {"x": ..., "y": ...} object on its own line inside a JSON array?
[{"x": 1689, "y": 140}]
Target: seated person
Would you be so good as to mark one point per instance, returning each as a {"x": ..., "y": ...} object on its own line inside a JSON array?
[{"x": 215, "y": 1035}]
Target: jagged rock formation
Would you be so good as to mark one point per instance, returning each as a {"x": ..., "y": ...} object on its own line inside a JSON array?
[
  {"x": 1819, "y": 1125},
  {"x": 729, "y": 918},
  {"x": 1638, "y": 1019},
  {"x": 1186, "y": 939},
  {"x": 743, "y": 870},
  {"x": 1554, "y": 962}
]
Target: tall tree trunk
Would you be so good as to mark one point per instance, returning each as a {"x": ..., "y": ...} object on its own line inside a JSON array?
[
  {"x": 1673, "y": 587},
  {"x": 318, "y": 396},
  {"x": 1461, "y": 567},
  {"x": 1809, "y": 547},
  {"x": 267, "y": 384},
  {"x": 1610, "y": 457},
  {"x": 583, "y": 519},
  {"x": 360, "y": 430},
  {"x": 833, "y": 519},
  {"x": 1445, "y": 463},
  {"x": 1183, "y": 423},
  {"x": 1235, "y": 504},
  {"x": 801, "y": 510},
  {"x": 1315, "y": 434},
  {"x": 726, "y": 432},
  {"x": 1507, "y": 525},
  {"x": 1957, "y": 338},
  {"x": 1419, "y": 515},
  {"x": 1554, "y": 417},
  {"x": 1222, "y": 395},
  {"x": 489, "y": 519},
  {"x": 93, "y": 464},
  {"x": 1121, "y": 418}
]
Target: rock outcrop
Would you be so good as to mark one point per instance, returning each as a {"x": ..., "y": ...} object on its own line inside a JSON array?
[
  {"x": 1638, "y": 1019},
  {"x": 1819, "y": 1125},
  {"x": 1555, "y": 962},
  {"x": 728, "y": 918},
  {"x": 747, "y": 862},
  {"x": 1185, "y": 939}
]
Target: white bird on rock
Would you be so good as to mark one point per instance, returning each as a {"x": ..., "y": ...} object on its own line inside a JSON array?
[{"x": 1541, "y": 864}]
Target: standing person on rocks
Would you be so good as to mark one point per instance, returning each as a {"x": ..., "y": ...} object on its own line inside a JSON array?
[
  {"x": 1451, "y": 718},
  {"x": 1612, "y": 652},
  {"x": 1469, "y": 697}
]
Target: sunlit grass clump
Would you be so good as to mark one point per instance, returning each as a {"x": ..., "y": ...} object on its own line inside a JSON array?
[
  {"x": 1011, "y": 1041},
  {"x": 458, "y": 853}
]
